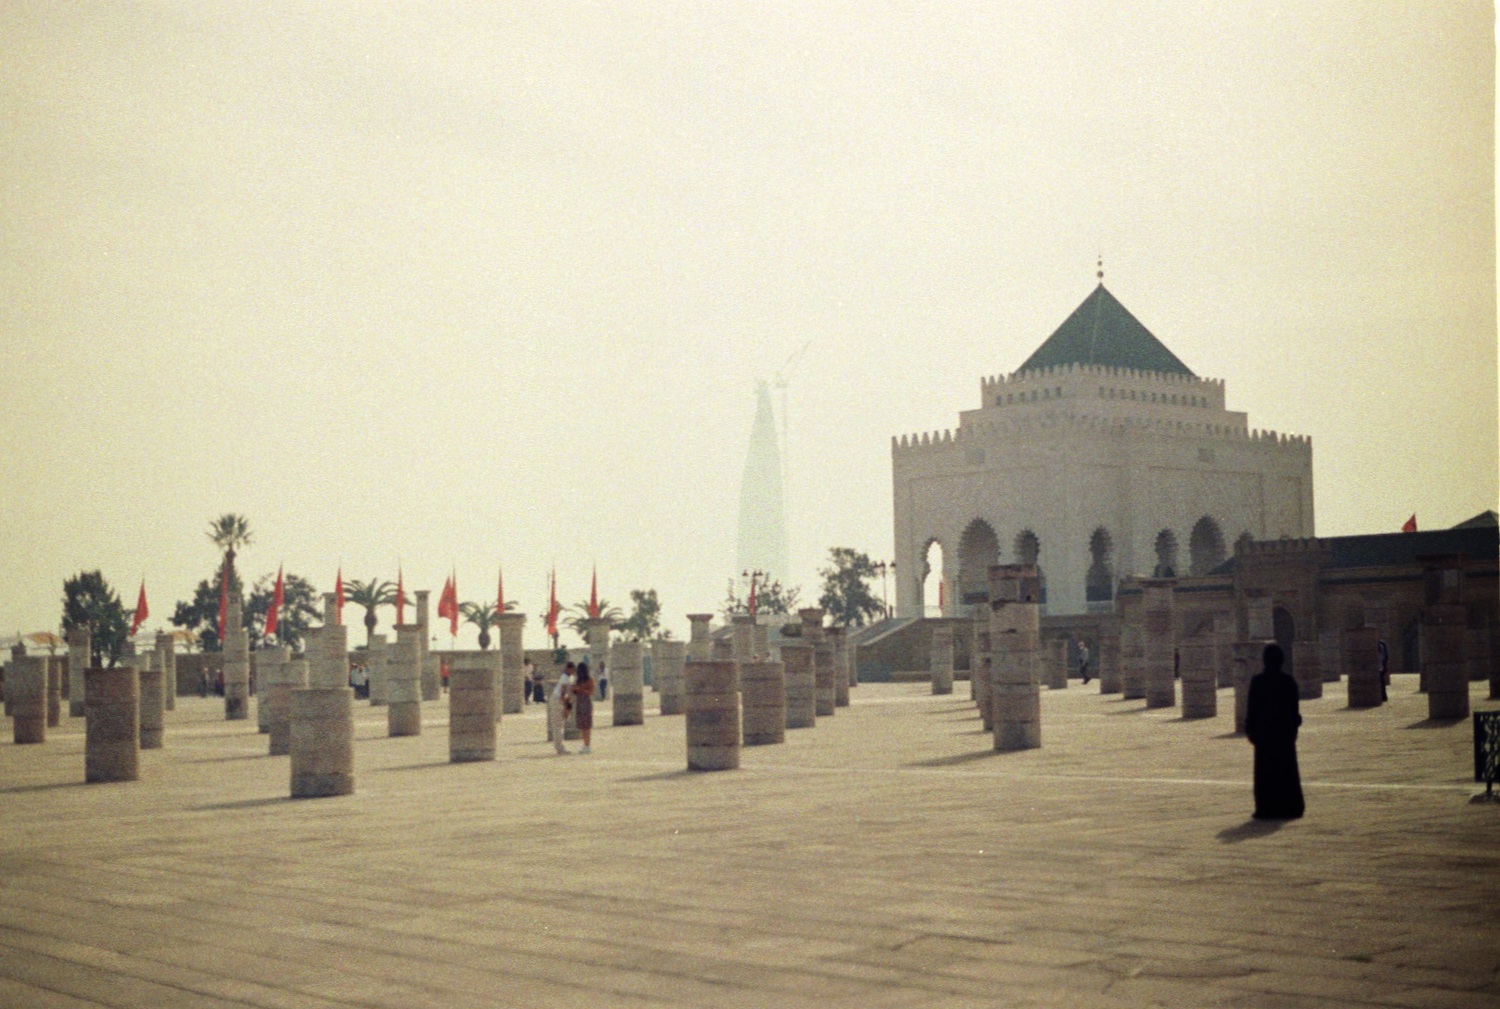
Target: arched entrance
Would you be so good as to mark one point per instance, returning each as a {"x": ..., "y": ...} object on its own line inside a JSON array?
[
  {"x": 1166, "y": 555},
  {"x": 1205, "y": 547},
  {"x": 1099, "y": 583},
  {"x": 1028, "y": 550},
  {"x": 978, "y": 549},
  {"x": 931, "y": 596}
]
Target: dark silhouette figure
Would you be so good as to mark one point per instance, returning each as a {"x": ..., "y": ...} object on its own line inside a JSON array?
[{"x": 1271, "y": 724}]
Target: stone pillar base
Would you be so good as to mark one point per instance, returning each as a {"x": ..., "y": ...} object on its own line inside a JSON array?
[
  {"x": 322, "y": 742},
  {"x": 403, "y": 718},
  {"x": 111, "y": 749}
]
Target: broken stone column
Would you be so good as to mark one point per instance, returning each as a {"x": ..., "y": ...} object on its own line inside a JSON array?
[
  {"x": 812, "y": 636},
  {"x": 153, "y": 702},
  {"x": 1200, "y": 681},
  {"x": 801, "y": 686},
  {"x": 700, "y": 637},
  {"x": 982, "y": 677},
  {"x": 942, "y": 656},
  {"x": 280, "y": 675},
  {"x": 627, "y": 685},
  {"x": 54, "y": 690},
  {"x": 1329, "y": 665},
  {"x": 1158, "y": 642},
  {"x": 742, "y": 638},
  {"x": 472, "y": 712},
  {"x": 1015, "y": 633},
  {"x": 26, "y": 690},
  {"x": 763, "y": 696},
  {"x": 80, "y": 643},
  {"x": 429, "y": 666},
  {"x": 1307, "y": 669},
  {"x": 1055, "y": 655},
  {"x": 1361, "y": 666},
  {"x": 322, "y": 749},
  {"x": 166, "y": 660},
  {"x": 268, "y": 662},
  {"x": 838, "y": 640},
  {"x": 111, "y": 734},
  {"x": 762, "y": 640},
  {"x": 713, "y": 716},
  {"x": 236, "y": 664},
  {"x": 1443, "y": 663},
  {"x": 596, "y": 633},
  {"x": 376, "y": 656},
  {"x": 667, "y": 661},
  {"x": 1224, "y": 648},
  {"x": 404, "y": 682},
  {"x": 512, "y": 647}
]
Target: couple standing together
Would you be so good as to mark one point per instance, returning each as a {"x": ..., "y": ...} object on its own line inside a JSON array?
[{"x": 574, "y": 691}]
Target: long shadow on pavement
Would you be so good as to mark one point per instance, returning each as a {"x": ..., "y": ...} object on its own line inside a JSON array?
[
  {"x": 959, "y": 758},
  {"x": 1435, "y": 723},
  {"x": 243, "y": 804}
]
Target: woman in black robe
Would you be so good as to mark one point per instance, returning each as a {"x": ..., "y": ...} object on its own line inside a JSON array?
[{"x": 1271, "y": 725}]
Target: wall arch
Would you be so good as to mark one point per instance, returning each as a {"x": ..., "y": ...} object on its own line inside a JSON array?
[
  {"x": 930, "y": 594},
  {"x": 1099, "y": 583},
  {"x": 1205, "y": 547},
  {"x": 978, "y": 549},
  {"x": 1166, "y": 555}
]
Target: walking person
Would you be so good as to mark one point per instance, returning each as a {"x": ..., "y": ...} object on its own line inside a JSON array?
[
  {"x": 583, "y": 702},
  {"x": 1083, "y": 660},
  {"x": 557, "y": 702},
  {"x": 1271, "y": 723},
  {"x": 528, "y": 682},
  {"x": 603, "y": 682}
]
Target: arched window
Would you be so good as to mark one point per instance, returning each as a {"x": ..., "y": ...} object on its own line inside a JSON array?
[
  {"x": 1099, "y": 584},
  {"x": 1028, "y": 550},
  {"x": 931, "y": 595},
  {"x": 1205, "y": 547},
  {"x": 1166, "y": 555},
  {"x": 978, "y": 549},
  {"x": 1243, "y": 542}
]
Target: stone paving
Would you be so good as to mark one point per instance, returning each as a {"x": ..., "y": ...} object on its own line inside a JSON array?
[{"x": 887, "y": 857}]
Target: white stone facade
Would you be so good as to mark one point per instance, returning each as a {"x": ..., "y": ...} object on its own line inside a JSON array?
[{"x": 1102, "y": 472}]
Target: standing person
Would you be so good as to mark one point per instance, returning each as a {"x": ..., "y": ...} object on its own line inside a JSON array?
[
  {"x": 556, "y": 707},
  {"x": 603, "y": 682},
  {"x": 583, "y": 701},
  {"x": 535, "y": 690},
  {"x": 1271, "y": 723},
  {"x": 1083, "y": 659},
  {"x": 1384, "y": 652}
]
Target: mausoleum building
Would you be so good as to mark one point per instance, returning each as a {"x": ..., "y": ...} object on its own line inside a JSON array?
[{"x": 1102, "y": 456}]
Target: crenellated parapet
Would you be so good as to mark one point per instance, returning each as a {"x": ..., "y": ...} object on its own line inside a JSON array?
[{"x": 985, "y": 430}]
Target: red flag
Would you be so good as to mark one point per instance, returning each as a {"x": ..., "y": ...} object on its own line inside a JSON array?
[
  {"x": 273, "y": 615},
  {"x": 594, "y": 597},
  {"x": 400, "y": 597},
  {"x": 141, "y": 610},
  {"x": 552, "y": 609},
  {"x": 500, "y": 594},
  {"x": 448, "y": 603},
  {"x": 223, "y": 599},
  {"x": 752, "y": 595},
  {"x": 338, "y": 597},
  {"x": 1410, "y": 525}
]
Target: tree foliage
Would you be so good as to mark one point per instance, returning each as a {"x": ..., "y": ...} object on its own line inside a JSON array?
[
  {"x": 577, "y": 618},
  {"x": 88, "y": 601},
  {"x": 299, "y": 608},
  {"x": 482, "y": 616},
  {"x": 770, "y": 597},
  {"x": 372, "y": 595},
  {"x": 846, "y": 597},
  {"x": 201, "y": 614},
  {"x": 645, "y": 617}
]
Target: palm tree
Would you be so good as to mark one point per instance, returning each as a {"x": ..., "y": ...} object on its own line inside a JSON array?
[
  {"x": 370, "y": 595},
  {"x": 482, "y": 616},
  {"x": 579, "y": 618},
  {"x": 229, "y": 532}
]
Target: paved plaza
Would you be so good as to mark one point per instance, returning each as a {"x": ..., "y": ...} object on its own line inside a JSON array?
[{"x": 887, "y": 857}]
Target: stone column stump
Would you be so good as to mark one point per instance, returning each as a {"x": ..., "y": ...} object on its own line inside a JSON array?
[
  {"x": 801, "y": 686},
  {"x": 1329, "y": 651},
  {"x": 763, "y": 697},
  {"x": 1056, "y": 653},
  {"x": 471, "y": 711},
  {"x": 166, "y": 661},
  {"x": 322, "y": 742},
  {"x": 1307, "y": 669},
  {"x": 112, "y": 724},
  {"x": 1158, "y": 642},
  {"x": 286, "y": 675},
  {"x": 1361, "y": 666},
  {"x": 942, "y": 657},
  {"x": 54, "y": 691},
  {"x": 1015, "y": 635},
  {"x": 512, "y": 663},
  {"x": 1200, "y": 681},
  {"x": 742, "y": 637},
  {"x": 80, "y": 641},
  {"x": 667, "y": 661},
  {"x": 700, "y": 637},
  {"x": 1132, "y": 663},
  {"x": 982, "y": 678},
  {"x": 627, "y": 685},
  {"x": 377, "y": 654},
  {"x": 267, "y": 663},
  {"x": 153, "y": 703},
  {"x": 713, "y": 716},
  {"x": 1109, "y": 663},
  {"x": 403, "y": 711},
  {"x": 838, "y": 639},
  {"x": 1443, "y": 663},
  {"x": 26, "y": 692}
]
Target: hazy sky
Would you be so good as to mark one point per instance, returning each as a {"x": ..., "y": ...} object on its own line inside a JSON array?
[{"x": 472, "y": 284}]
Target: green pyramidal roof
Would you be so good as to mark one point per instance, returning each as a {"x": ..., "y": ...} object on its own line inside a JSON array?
[{"x": 1102, "y": 331}]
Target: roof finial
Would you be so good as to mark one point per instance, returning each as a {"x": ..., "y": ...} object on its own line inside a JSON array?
[{"x": 1101, "y": 267}]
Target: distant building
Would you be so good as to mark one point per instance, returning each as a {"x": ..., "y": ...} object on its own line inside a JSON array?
[
  {"x": 762, "y": 533},
  {"x": 1101, "y": 456}
]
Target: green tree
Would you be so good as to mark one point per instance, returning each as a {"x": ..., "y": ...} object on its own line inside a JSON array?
[
  {"x": 88, "y": 601},
  {"x": 645, "y": 617},
  {"x": 201, "y": 614},
  {"x": 299, "y": 608},
  {"x": 229, "y": 532},
  {"x": 482, "y": 616},
  {"x": 846, "y": 597},
  {"x": 371, "y": 595},
  {"x": 772, "y": 597}
]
